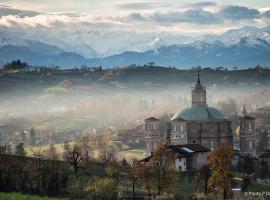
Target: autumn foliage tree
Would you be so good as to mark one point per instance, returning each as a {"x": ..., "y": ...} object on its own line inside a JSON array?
[
  {"x": 219, "y": 162},
  {"x": 163, "y": 170},
  {"x": 158, "y": 174},
  {"x": 203, "y": 176},
  {"x": 143, "y": 173}
]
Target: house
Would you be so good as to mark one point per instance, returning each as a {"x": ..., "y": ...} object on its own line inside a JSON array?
[
  {"x": 187, "y": 157},
  {"x": 190, "y": 156}
]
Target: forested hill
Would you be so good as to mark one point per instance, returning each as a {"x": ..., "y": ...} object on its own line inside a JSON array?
[{"x": 147, "y": 76}]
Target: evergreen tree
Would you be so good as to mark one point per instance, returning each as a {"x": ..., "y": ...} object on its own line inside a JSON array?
[
  {"x": 32, "y": 138},
  {"x": 52, "y": 153},
  {"x": 23, "y": 136},
  {"x": 9, "y": 150},
  {"x": 20, "y": 150}
]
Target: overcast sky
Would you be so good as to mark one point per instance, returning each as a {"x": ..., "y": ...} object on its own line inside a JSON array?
[{"x": 163, "y": 15}]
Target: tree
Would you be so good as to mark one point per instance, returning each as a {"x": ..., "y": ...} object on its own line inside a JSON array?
[
  {"x": 20, "y": 150},
  {"x": 23, "y": 136},
  {"x": 159, "y": 173},
  {"x": 105, "y": 189},
  {"x": 163, "y": 170},
  {"x": 204, "y": 174},
  {"x": 66, "y": 151},
  {"x": 15, "y": 64},
  {"x": 32, "y": 137},
  {"x": 219, "y": 162},
  {"x": 52, "y": 153},
  {"x": 74, "y": 157},
  {"x": 142, "y": 172}
]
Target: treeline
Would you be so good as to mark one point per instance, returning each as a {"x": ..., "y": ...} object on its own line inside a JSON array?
[
  {"x": 15, "y": 64},
  {"x": 153, "y": 178},
  {"x": 43, "y": 177},
  {"x": 33, "y": 176},
  {"x": 19, "y": 65}
]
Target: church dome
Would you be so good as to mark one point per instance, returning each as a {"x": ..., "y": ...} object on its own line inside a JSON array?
[{"x": 200, "y": 113}]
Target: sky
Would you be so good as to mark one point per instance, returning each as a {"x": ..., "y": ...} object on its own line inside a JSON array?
[{"x": 186, "y": 17}]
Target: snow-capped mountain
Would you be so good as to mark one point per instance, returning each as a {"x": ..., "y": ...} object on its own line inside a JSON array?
[
  {"x": 244, "y": 47},
  {"x": 37, "y": 53},
  {"x": 245, "y": 53}
]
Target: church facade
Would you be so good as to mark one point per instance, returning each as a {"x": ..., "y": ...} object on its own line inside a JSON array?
[{"x": 198, "y": 124}]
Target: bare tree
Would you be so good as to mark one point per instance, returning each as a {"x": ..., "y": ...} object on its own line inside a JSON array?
[{"x": 75, "y": 158}]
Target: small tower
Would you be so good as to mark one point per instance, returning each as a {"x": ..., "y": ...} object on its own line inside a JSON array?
[
  {"x": 151, "y": 135},
  {"x": 247, "y": 134},
  {"x": 198, "y": 94}
]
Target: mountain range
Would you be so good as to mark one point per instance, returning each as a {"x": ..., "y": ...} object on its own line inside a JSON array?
[{"x": 244, "y": 47}]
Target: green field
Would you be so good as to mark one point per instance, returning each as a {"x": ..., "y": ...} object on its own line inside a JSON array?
[
  {"x": 259, "y": 187},
  {"x": 35, "y": 150},
  {"x": 18, "y": 196},
  {"x": 132, "y": 154}
]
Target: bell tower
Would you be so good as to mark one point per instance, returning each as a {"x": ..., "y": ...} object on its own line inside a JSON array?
[
  {"x": 198, "y": 93},
  {"x": 247, "y": 134}
]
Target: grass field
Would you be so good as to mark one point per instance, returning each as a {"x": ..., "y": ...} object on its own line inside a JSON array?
[
  {"x": 18, "y": 196},
  {"x": 35, "y": 150},
  {"x": 259, "y": 187},
  {"x": 132, "y": 154}
]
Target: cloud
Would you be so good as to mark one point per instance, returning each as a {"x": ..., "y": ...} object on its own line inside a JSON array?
[
  {"x": 266, "y": 14},
  {"x": 142, "y": 6},
  {"x": 197, "y": 16},
  {"x": 239, "y": 13},
  {"x": 136, "y": 17},
  {"x": 6, "y": 10},
  {"x": 200, "y": 5},
  {"x": 205, "y": 16}
]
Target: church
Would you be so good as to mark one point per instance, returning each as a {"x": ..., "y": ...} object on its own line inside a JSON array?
[{"x": 199, "y": 124}]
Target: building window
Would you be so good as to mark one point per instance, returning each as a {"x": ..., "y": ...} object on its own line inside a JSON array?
[
  {"x": 250, "y": 145},
  {"x": 212, "y": 145},
  {"x": 181, "y": 128},
  {"x": 194, "y": 142}
]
